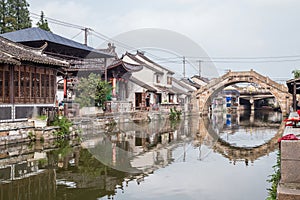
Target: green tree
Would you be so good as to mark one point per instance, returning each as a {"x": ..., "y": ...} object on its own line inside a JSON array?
[
  {"x": 92, "y": 91},
  {"x": 2, "y": 14},
  {"x": 43, "y": 23},
  {"x": 14, "y": 15},
  {"x": 296, "y": 73}
]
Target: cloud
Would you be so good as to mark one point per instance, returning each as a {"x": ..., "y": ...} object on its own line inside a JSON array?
[{"x": 223, "y": 28}]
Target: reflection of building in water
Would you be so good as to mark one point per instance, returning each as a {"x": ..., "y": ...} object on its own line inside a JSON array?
[
  {"x": 31, "y": 187},
  {"x": 24, "y": 180},
  {"x": 145, "y": 147},
  {"x": 91, "y": 178}
]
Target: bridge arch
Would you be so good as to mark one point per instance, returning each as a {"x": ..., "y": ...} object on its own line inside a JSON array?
[{"x": 279, "y": 91}]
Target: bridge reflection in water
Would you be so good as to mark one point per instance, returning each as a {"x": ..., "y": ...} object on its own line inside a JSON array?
[
  {"x": 107, "y": 163},
  {"x": 242, "y": 137}
]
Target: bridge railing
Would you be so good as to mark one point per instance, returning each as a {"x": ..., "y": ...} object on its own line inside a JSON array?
[
  {"x": 271, "y": 82},
  {"x": 251, "y": 73}
]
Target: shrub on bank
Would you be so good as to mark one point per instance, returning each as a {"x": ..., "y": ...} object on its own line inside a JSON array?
[
  {"x": 64, "y": 126},
  {"x": 274, "y": 179}
]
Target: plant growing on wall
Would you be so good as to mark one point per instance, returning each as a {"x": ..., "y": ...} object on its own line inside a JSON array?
[
  {"x": 64, "y": 126},
  {"x": 274, "y": 179}
]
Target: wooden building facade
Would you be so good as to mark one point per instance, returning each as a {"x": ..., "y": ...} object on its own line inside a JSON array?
[{"x": 27, "y": 80}]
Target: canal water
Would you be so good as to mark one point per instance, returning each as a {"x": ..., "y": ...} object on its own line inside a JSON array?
[{"x": 223, "y": 156}]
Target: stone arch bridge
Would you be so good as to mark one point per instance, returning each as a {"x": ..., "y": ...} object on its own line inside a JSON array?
[{"x": 279, "y": 91}]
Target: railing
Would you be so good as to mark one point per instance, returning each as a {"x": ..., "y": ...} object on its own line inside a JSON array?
[
  {"x": 118, "y": 106},
  {"x": 244, "y": 74},
  {"x": 165, "y": 107}
]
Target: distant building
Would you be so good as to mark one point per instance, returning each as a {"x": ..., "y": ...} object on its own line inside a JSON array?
[
  {"x": 199, "y": 80},
  {"x": 226, "y": 100},
  {"x": 294, "y": 89}
]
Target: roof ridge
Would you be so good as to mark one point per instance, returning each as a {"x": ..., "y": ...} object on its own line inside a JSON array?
[
  {"x": 151, "y": 61},
  {"x": 21, "y": 46},
  {"x": 37, "y": 34},
  {"x": 21, "y": 52}
]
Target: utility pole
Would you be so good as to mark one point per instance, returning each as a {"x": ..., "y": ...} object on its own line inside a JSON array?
[
  {"x": 183, "y": 67},
  {"x": 86, "y": 32},
  {"x": 200, "y": 61}
]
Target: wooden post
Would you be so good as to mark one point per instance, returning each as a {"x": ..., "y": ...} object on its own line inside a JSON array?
[
  {"x": 294, "y": 96},
  {"x": 65, "y": 87},
  {"x": 105, "y": 69}
]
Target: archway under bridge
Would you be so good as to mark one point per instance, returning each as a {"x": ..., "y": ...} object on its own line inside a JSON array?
[{"x": 279, "y": 91}]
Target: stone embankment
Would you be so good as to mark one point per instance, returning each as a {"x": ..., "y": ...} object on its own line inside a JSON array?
[
  {"x": 32, "y": 130},
  {"x": 20, "y": 132},
  {"x": 289, "y": 185}
]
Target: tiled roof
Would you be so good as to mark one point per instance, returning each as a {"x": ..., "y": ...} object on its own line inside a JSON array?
[
  {"x": 14, "y": 53},
  {"x": 190, "y": 82},
  {"x": 5, "y": 58},
  {"x": 133, "y": 57},
  {"x": 142, "y": 84},
  {"x": 179, "y": 91},
  {"x": 127, "y": 66},
  {"x": 184, "y": 85},
  {"x": 205, "y": 80},
  {"x": 140, "y": 54},
  {"x": 36, "y": 34}
]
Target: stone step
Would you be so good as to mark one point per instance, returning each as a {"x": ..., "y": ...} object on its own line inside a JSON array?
[{"x": 288, "y": 191}]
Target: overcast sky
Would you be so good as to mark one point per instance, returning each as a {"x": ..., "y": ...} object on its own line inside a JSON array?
[{"x": 223, "y": 28}]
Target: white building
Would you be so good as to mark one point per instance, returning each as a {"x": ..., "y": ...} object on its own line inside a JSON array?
[{"x": 152, "y": 85}]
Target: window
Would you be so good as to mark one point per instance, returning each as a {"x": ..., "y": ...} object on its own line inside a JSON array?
[
  {"x": 43, "y": 80},
  {"x": 38, "y": 84},
  {"x": 16, "y": 82},
  {"x": 171, "y": 98},
  {"x": 1, "y": 84},
  {"x": 27, "y": 84},
  {"x": 22, "y": 84},
  {"x": 157, "y": 78},
  {"x": 47, "y": 88},
  {"x": 6, "y": 83},
  {"x": 169, "y": 80},
  {"x": 33, "y": 85},
  {"x": 52, "y": 82}
]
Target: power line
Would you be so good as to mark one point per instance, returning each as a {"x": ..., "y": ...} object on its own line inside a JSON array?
[
  {"x": 58, "y": 22},
  {"x": 261, "y": 59},
  {"x": 245, "y": 58},
  {"x": 258, "y": 61},
  {"x": 175, "y": 59},
  {"x": 77, "y": 34},
  {"x": 234, "y": 61}
]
